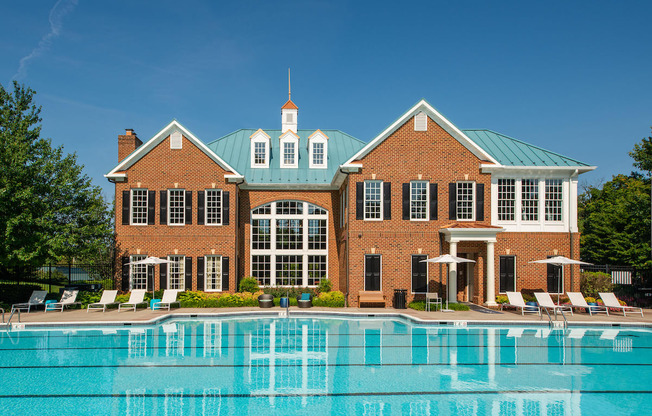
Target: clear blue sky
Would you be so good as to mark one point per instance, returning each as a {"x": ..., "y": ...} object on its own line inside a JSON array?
[{"x": 572, "y": 77}]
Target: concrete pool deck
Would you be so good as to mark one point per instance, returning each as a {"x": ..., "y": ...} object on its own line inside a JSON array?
[{"x": 480, "y": 316}]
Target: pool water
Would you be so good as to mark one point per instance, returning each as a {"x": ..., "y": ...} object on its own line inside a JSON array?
[{"x": 340, "y": 366}]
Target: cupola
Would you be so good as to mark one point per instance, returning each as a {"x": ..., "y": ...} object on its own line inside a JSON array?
[{"x": 289, "y": 112}]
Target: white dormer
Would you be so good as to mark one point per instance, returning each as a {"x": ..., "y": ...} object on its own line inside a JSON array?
[
  {"x": 289, "y": 150},
  {"x": 318, "y": 150},
  {"x": 260, "y": 149}
]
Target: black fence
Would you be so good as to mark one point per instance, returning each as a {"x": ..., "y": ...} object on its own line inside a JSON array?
[
  {"x": 52, "y": 277},
  {"x": 621, "y": 275}
]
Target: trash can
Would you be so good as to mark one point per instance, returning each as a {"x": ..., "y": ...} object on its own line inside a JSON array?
[
  {"x": 400, "y": 296},
  {"x": 285, "y": 302}
]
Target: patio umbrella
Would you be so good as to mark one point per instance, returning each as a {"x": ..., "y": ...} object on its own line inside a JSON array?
[
  {"x": 150, "y": 261},
  {"x": 447, "y": 259},
  {"x": 559, "y": 261}
]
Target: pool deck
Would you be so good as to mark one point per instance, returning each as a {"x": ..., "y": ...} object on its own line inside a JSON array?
[{"x": 479, "y": 316}]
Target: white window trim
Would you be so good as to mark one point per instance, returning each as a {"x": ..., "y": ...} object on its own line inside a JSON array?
[
  {"x": 183, "y": 192},
  {"x": 206, "y": 273},
  {"x": 364, "y": 274},
  {"x": 131, "y": 206},
  {"x": 382, "y": 200},
  {"x": 220, "y": 207},
  {"x": 312, "y": 141},
  {"x": 133, "y": 258},
  {"x": 427, "y": 201},
  {"x": 289, "y": 137},
  {"x": 264, "y": 140},
  {"x": 517, "y": 184},
  {"x": 427, "y": 275},
  {"x": 183, "y": 274},
  {"x": 473, "y": 190},
  {"x": 304, "y": 251}
]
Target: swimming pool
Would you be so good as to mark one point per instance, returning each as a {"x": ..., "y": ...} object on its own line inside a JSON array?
[{"x": 306, "y": 365}]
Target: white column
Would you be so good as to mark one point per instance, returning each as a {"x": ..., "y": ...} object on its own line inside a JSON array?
[
  {"x": 491, "y": 278},
  {"x": 452, "y": 276}
]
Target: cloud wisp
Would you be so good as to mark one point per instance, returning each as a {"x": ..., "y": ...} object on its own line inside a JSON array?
[{"x": 57, "y": 13}]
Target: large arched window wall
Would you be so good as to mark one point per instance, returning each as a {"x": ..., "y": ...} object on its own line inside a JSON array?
[{"x": 289, "y": 244}]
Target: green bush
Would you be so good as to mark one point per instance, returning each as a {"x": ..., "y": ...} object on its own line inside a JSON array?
[
  {"x": 293, "y": 301},
  {"x": 325, "y": 285},
  {"x": 420, "y": 305},
  {"x": 591, "y": 283},
  {"x": 329, "y": 299},
  {"x": 501, "y": 299},
  {"x": 193, "y": 299},
  {"x": 458, "y": 307},
  {"x": 292, "y": 292},
  {"x": 249, "y": 284}
]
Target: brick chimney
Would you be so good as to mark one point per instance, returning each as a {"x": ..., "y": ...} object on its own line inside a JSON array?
[{"x": 127, "y": 143}]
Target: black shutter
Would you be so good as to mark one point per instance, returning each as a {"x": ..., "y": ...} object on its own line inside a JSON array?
[
  {"x": 419, "y": 274},
  {"x": 225, "y": 208},
  {"x": 372, "y": 272},
  {"x": 387, "y": 200},
  {"x": 506, "y": 274},
  {"x": 479, "y": 202},
  {"x": 125, "y": 207},
  {"x": 554, "y": 279},
  {"x": 406, "y": 201},
  {"x": 125, "y": 274},
  {"x": 163, "y": 275},
  {"x": 188, "y": 272},
  {"x": 359, "y": 200},
  {"x": 188, "y": 207},
  {"x": 150, "y": 278},
  {"x": 433, "y": 201},
  {"x": 151, "y": 207},
  {"x": 452, "y": 201},
  {"x": 200, "y": 273},
  {"x": 225, "y": 273},
  {"x": 163, "y": 211},
  {"x": 200, "y": 207}
]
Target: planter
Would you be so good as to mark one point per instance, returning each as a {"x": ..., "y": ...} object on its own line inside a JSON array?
[
  {"x": 285, "y": 302},
  {"x": 593, "y": 306},
  {"x": 532, "y": 306}
]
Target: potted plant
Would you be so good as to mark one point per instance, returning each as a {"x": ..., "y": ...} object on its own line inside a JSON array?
[{"x": 591, "y": 302}]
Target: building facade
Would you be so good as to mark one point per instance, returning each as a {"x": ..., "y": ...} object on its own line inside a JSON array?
[{"x": 294, "y": 206}]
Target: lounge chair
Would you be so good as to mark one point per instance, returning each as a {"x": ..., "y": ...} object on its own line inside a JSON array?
[
  {"x": 577, "y": 301},
  {"x": 545, "y": 301},
  {"x": 610, "y": 301},
  {"x": 515, "y": 300},
  {"x": 108, "y": 299},
  {"x": 371, "y": 297},
  {"x": 305, "y": 301},
  {"x": 136, "y": 298},
  {"x": 433, "y": 298},
  {"x": 169, "y": 297},
  {"x": 37, "y": 299},
  {"x": 68, "y": 298}
]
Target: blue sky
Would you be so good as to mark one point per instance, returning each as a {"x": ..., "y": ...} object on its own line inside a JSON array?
[{"x": 572, "y": 77}]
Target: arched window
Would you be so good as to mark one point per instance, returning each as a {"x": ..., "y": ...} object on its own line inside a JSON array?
[{"x": 289, "y": 243}]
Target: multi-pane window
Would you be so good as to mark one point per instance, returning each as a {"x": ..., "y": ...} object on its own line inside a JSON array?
[
  {"x": 315, "y": 210},
  {"x": 553, "y": 199},
  {"x": 506, "y": 199},
  {"x": 317, "y": 234},
  {"x": 213, "y": 272},
  {"x": 260, "y": 155},
  {"x": 138, "y": 273},
  {"x": 288, "y": 153},
  {"x": 465, "y": 199},
  {"x": 530, "y": 199},
  {"x": 138, "y": 206},
  {"x": 419, "y": 200},
  {"x": 213, "y": 209},
  {"x": 176, "y": 206},
  {"x": 263, "y": 209},
  {"x": 318, "y": 153},
  {"x": 289, "y": 270},
  {"x": 176, "y": 272},
  {"x": 289, "y": 208},
  {"x": 261, "y": 269},
  {"x": 260, "y": 234},
  {"x": 289, "y": 234},
  {"x": 316, "y": 269},
  {"x": 373, "y": 200}
]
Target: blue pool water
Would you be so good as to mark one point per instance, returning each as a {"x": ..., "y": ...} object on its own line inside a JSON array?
[{"x": 374, "y": 366}]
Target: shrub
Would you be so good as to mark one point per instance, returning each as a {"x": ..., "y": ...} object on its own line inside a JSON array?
[
  {"x": 293, "y": 301},
  {"x": 292, "y": 292},
  {"x": 325, "y": 285},
  {"x": 190, "y": 299},
  {"x": 591, "y": 283},
  {"x": 420, "y": 305},
  {"x": 501, "y": 299},
  {"x": 589, "y": 299},
  {"x": 329, "y": 299},
  {"x": 249, "y": 284}
]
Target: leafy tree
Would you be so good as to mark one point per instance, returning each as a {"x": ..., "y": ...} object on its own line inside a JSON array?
[
  {"x": 49, "y": 209},
  {"x": 642, "y": 155}
]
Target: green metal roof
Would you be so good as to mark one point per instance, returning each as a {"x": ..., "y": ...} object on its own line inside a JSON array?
[
  {"x": 235, "y": 149},
  {"x": 512, "y": 152}
]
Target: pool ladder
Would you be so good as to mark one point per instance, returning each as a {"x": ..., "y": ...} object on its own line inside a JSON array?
[
  {"x": 8, "y": 323},
  {"x": 556, "y": 323}
]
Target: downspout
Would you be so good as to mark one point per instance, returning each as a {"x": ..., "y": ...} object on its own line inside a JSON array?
[
  {"x": 348, "y": 241},
  {"x": 570, "y": 230},
  {"x": 237, "y": 226}
]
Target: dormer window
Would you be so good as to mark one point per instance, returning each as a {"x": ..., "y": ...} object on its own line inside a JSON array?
[
  {"x": 318, "y": 150},
  {"x": 288, "y": 153},
  {"x": 259, "y": 149},
  {"x": 289, "y": 145}
]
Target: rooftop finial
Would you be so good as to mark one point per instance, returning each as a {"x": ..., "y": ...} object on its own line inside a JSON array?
[{"x": 289, "y": 87}]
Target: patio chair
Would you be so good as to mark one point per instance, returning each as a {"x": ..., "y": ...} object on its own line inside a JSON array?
[
  {"x": 577, "y": 301},
  {"x": 136, "y": 298},
  {"x": 108, "y": 299},
  {"x": 37, "y": 299},
  {"x": 515, "y": 300},
  {"x": 266, "y": 301},
  {"x": 545, "y": 301},
  {"x": 433, "y": 298},
  {"x": 169, "y": 297},
  {"x": 68, "y": 298},
  {"x": 610, "y": 301},
  {"x": 305, "y": 301}
]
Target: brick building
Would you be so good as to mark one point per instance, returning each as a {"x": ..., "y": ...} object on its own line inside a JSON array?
[{"x": 293, "y": 206}]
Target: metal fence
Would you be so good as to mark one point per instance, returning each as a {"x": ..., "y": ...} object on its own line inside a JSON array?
[
  {"x": 52, "y": 277},
  {"x": 621, "y": 275}
]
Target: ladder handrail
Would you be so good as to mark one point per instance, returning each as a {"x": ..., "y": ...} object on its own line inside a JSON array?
[
  {"x": 3, "y": 315},
  {"x": 12, "y": 315}
]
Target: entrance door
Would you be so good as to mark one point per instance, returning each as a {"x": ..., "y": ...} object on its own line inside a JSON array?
[
  {"x": 462, "y": 279},
  {"x": 372, "y": 272}
]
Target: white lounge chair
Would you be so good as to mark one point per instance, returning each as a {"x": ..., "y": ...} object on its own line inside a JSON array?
[
  {"x": 136, "y": 298},
  {"x": 610, "y": 301},
  {"x": 515, "y": 300},
  {"x": 433, "y": 298},
  {"x": 68, "y": 298},
  {"x": 545, "y": 301},
  {"x": 577, "y": 301},
  {"x": 108, "y": 299},
  {"x": 37, "y": 299},
  {"x": 169, "y": 297}
]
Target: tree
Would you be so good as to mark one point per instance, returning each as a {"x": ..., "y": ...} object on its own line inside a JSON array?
[
  {"x": 642, "y": 155},
  {"x": 49, "y": 209}
]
